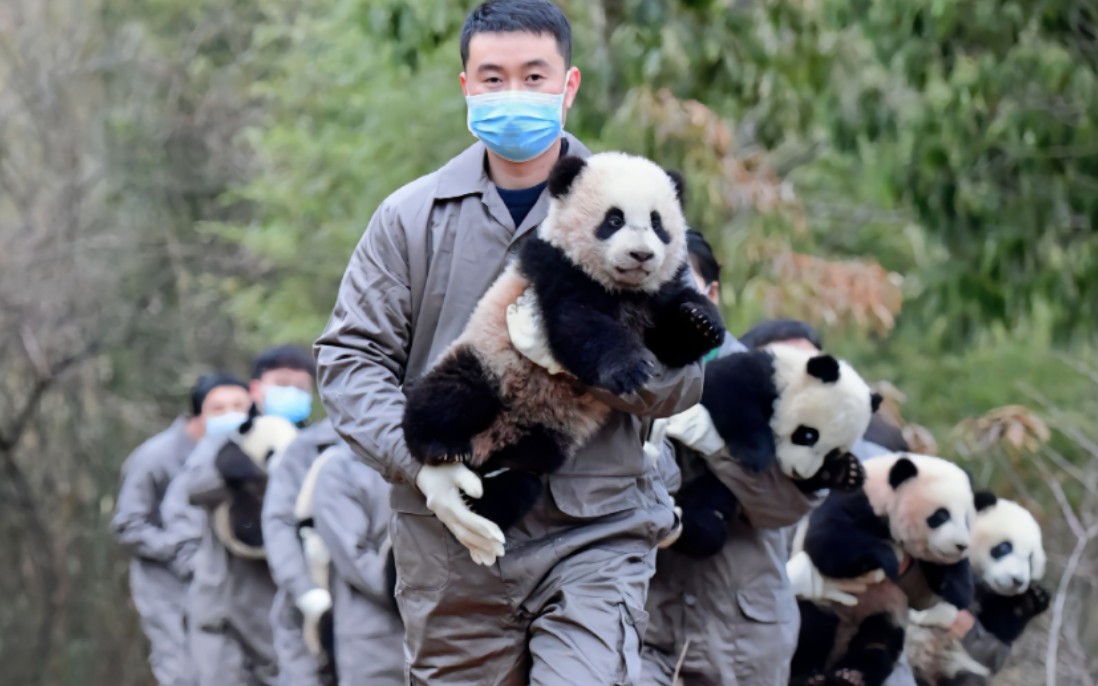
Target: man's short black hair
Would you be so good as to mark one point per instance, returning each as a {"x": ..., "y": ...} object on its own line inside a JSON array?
[
  {"x": 702, "y": 258},
  {"x": 529, "y": 16},
  {"x": 206, "y": 383},
  {"x": 775, "y": 330},
  {"x": 283, "y": 357}
]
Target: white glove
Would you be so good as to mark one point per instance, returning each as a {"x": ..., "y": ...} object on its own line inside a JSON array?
[
  {"x": 941, "y": 615},
  {"x": 443, "y": 485},
  {"x": 314, "y": 603},
  {"x": 653, "y": 447},
  {"x": 527, "y": 336},
  {"x": 808, "y": 583},
  {"x": 694, "y": 429}
]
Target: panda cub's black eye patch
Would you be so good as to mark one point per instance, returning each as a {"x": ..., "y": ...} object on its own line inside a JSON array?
[
  {"x": 805, "y": 435},
  {"x": 1002, "y": 550},
  {"x": 614, "y": 220},
  {"x": 940, "y": 517},
  {"x": 657, "y": 226}
]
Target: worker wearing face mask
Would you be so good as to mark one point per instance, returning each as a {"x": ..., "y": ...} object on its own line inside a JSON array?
[
  {"x": 217, "y": 401},
  {"x": 230, "y": 597}
]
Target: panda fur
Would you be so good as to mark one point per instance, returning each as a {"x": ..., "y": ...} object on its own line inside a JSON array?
[
  {"x": 787, "y": 406},
  {"x": 242, "y": 463},
  {"x": 319, "y": 635},
  {"x": 913, "y": 508},
  {"x": 608, "y": 272},
  {"x": 1007, "y": 559}
]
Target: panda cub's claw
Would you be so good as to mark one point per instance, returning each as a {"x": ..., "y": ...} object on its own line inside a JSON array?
[
  {"x": 1036, "y": 600},
  {"x": 623, "y": 376},
  {"x": 712, "y": 332},
  {"x": 843, "y": 472},
  {"x": 846, "y": 677}
]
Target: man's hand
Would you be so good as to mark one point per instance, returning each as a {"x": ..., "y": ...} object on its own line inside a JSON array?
[
  {"x": 963, "y": 624},
  {"x": 808, "y": 583},
  {"x": 676, "y": 531},
  {"x": 694, "y": 429},
  {"x": 443, "y": 486}
]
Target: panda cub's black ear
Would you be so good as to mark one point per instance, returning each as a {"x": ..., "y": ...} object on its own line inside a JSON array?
[
  {"x": 875, "y": 400},
  {"x": 984, "y": 500},
  {"x": 680, "y": 186},
  {"x": 825, "y": 368},
  {"x": 903, "y": 470},
  {"x": 564, "y": 174}
]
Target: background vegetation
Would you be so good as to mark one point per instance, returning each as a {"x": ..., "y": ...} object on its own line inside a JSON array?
[{"x": 183, "y": 182}]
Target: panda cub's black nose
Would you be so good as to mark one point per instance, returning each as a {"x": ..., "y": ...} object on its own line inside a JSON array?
[
  {"x": 1018, "y": 581},
  {"x": 641, "y": 255},
  {"x": 961, "y": 547}
]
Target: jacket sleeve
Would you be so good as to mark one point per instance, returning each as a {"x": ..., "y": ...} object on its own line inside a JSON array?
[
  {"x": 668, "y": 392},
  {"x": 769, "y": 499},
  {"x": 285, "y": 556},
  {"x": 985, "y": 648},
  {"x": 344, "y": 522},
  {"x": 183, "y": 523},
  {"x": 137, "y": 522},
  {"x": 362, "y": 354},
  {"x": 205, "y": 487}
]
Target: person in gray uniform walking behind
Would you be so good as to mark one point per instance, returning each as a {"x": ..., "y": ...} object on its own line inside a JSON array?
[
  {"x": 158, "y": 591},
  {"x": 298, "y": 596}
]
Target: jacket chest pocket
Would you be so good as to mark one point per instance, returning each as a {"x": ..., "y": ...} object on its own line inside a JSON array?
[
  {"x": 589, "y": 497},
  {"x": 767, "y": 605}
]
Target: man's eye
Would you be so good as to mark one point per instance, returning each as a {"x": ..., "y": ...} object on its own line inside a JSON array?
[{"x": 535, "y": 77}]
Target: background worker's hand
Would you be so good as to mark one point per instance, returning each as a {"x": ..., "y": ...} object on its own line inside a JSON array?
[
  {"x": 313, "y": 603},
  {"x": 694, "y": 429},
  {"x": 442, "y": 486}
]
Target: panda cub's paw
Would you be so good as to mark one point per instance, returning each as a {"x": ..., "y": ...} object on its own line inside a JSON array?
[
  {"x": 625, "y": 374},
  {"x": 1035, "y": 601},
  {"x": 706, "y": 324},
  {"x": 843, "y": 472},
  {"x": 845, "y": 677}
]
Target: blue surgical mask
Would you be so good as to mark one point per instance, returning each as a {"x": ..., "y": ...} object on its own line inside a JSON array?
[
  {"x": 225, "y": 424},
  {"x": 289, "y": 402},
  {"x": 517, "y": 125}
]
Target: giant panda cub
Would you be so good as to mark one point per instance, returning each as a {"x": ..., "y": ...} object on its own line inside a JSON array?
[
  {"x": 242, "y": 463},
  {"x": 786, "y": 406},
  {"x": 1007, "y": 559},
  {"x": 608, "y": 274},
  {"x": 912, "y": 520}
]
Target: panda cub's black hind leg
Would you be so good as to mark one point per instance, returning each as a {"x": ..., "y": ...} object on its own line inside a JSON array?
[
  {"x": 445, "y": 409},
  {"x": 872, "y": 653},
  {"x": 508, "y": 496},
  {"x": 707, "y": 508},
  {"x": 685, "y": 327},
  {"x": 814, "y": 643},
  {"x": 516, "y": 483}
]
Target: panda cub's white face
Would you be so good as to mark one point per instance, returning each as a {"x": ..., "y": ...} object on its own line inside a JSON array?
[
  {"x": 621, "y": 222},
  {"x": 814, "y": 417},
  {"x": 1007, "y": 554}
]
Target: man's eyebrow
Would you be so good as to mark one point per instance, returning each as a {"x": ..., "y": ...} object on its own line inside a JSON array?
[
  {"x": 536, "y": 63},
  {"x": 487, "y": 66}
]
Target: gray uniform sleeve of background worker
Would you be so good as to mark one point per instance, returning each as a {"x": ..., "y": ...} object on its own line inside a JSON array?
[
  {"x": 352, "y": 517},
  {"x": 769, "y": 499},
  {"x": 137, "y": 522},
  {"x": 985, "y": 648},
  {"x": 284, "y": 553}
]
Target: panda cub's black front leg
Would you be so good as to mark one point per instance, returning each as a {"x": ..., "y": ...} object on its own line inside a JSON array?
[
  {"x": 597, "y": 348},
  {"x": 685, "y": 325},
  {"x": 445, "y": 409}
]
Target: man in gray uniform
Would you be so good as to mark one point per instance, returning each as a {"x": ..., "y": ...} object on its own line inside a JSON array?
[
  {"x": 297, "y": 593},
  {"x": 230, "y": 596},
  {"x": 158, "y": 593},
  {"x": 351, "y": 512},
  {"x": 566, "y": 602},
  {"x": 731, "y": 618}
]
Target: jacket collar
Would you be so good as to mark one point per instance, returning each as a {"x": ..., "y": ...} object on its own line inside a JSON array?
[{"x": 467, "y": 174}]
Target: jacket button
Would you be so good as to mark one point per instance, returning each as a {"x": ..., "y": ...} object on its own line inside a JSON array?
[{"x": 690, "y": 600}]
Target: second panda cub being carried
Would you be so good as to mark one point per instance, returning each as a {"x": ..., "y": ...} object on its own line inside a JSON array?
[{"x": 608, "y": 276}]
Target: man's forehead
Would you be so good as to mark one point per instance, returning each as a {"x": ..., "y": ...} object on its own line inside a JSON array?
[{"x": 513, "y": 50}]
